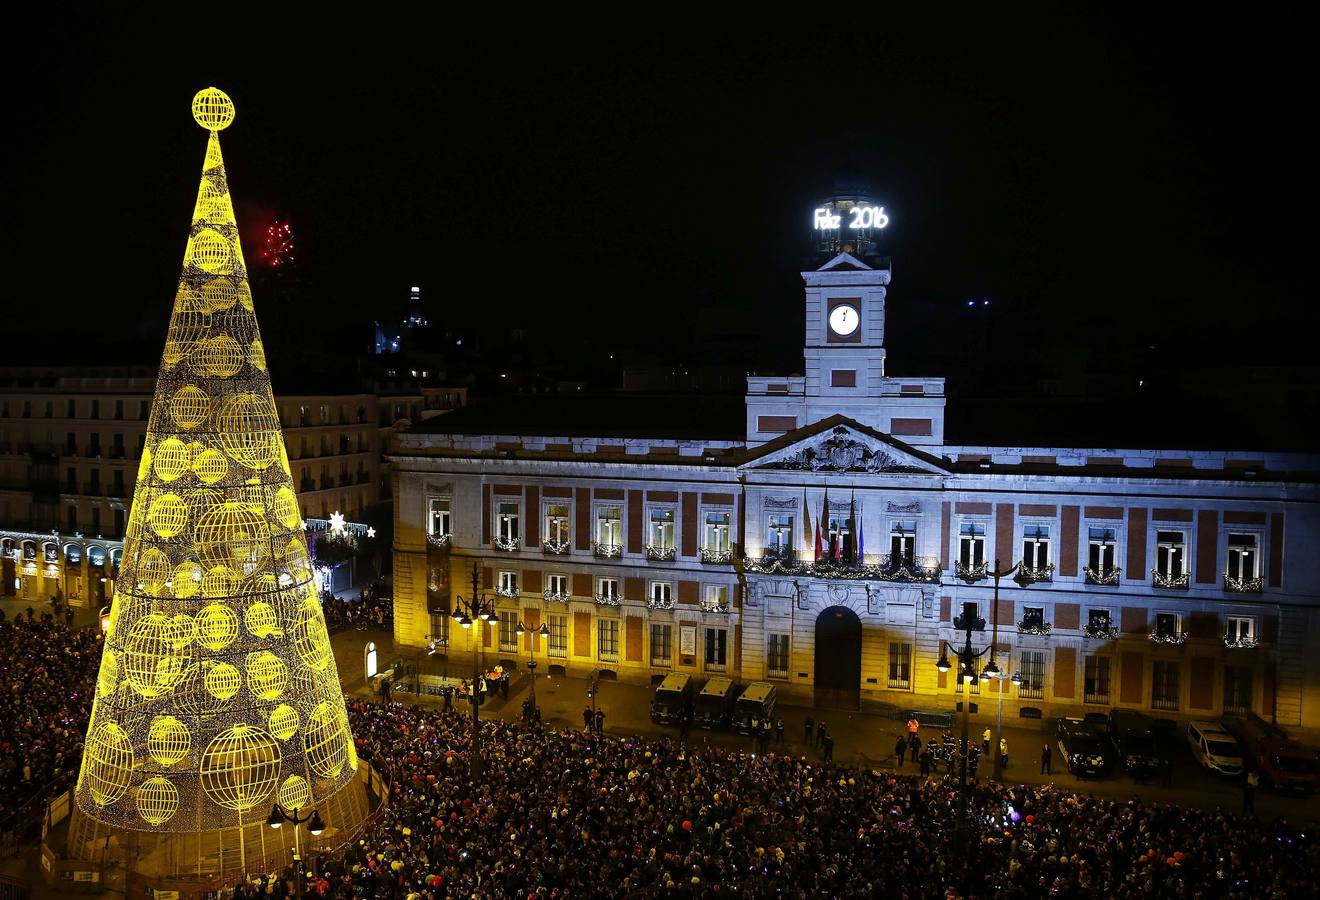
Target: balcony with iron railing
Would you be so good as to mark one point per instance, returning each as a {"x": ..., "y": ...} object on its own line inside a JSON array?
[
  {"x": 716, "y": 556},
  {"x": 1034, "y": 625},
  {"x": 557, "y": 596},
  {"x": 1168, "y": 636},
  {"x": 777, "y": 563},
  {"x": 1170, "y": 581},
  {"x": 1100, "y": 630},
  {"x": 661, "y": 603},
  {"x": 1102, "y": 577},
  {"x": 1244, "y": 642},
  {"x": 507, "y": 544},
  {"x": 503, "y": 591},
  {"x": 608, "y": 599},
  {"x": 555, "y": 548},
  {"x": 716, "y": 606},
  {"x": 1244, "y": 585},
  {"x": 661, "y": 553},
  {"x": 961, "y": 622},
  {"x": 1039, "y": 575},
  {"x": 606, "y": 551},
  {"x": 439, "y": 540}
]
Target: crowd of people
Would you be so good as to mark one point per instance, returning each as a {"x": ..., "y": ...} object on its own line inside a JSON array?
[
  {"x": 47, "y": 670},
  {"x": 372, "y": 608},
  {"x": 575, "y": 813}
]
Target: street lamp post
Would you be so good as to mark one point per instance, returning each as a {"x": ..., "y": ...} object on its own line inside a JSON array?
[
  {"x": 543, "y": 631},
  {"x": 314, "y": 825},
  {"x": 967, "y": 657},
  {"x": 466, "y": 612}
]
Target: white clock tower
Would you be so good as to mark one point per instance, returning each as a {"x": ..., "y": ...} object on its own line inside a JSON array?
[{"x": 845, "y": 365}]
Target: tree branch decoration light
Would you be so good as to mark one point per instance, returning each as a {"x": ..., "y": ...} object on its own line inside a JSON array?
[{"x": 217, "y": 693}]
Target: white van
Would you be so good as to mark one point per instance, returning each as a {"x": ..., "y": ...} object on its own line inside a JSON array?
[{"x": 1215, "y": 748}]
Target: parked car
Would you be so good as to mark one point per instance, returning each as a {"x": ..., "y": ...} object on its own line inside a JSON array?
[
  {"x": 1082, "y": 748},
  {"x": 1134, "y": 744},
  {"x": 1282, "y": 762},
  {"x": 673, "y": 699},
  {"x": 714, "y": 705},
  {"x": 1214, "y": 747}
]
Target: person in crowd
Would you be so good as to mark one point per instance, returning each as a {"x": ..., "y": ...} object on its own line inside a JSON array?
[
  {"x": 1045, "y": 755},
  {"x": 900, "y": 749}
]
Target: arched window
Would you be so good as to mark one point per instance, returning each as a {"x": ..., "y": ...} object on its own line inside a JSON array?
[{"x": 73, "y": 554}]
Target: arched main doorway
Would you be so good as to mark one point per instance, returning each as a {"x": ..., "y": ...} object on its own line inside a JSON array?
[{"x": 838, "y": 658}]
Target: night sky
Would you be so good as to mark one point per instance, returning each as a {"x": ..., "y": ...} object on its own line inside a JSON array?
[{"x": 1118, "y": 190}]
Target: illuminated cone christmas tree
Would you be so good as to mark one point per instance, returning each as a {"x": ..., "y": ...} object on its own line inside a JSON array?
[{"x": 218, "y": 694}]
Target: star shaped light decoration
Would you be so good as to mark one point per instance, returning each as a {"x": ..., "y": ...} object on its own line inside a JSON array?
[
  {"x": 371, "y": 532},
  {"x": 337, "y": 522}
]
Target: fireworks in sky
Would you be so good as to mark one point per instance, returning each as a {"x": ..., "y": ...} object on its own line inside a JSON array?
[{"x": 277, "y": 245}]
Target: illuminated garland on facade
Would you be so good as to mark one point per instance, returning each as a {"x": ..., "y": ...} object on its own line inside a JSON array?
[
  {"x": 1171, "y": 582},
  {"x": 558, "y": 548},
  {"x": 508, "y": 545},
  {"x": 1103, "y": 577},
  {"x": 1173, "y": 637},
  {"x": 217, "y": 693},
  {"x": 607, "y": 551},
  {"x": 1243, "y": 585},
  {"x": 661, "y": 554}
]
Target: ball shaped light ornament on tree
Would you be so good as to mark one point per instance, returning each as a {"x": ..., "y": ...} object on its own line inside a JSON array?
[
  {"x": 211, "y": 252},
  {"x": 171, "y": 459},
  {"x": 213, "y": 204},
  {"x": 210, "y": 466},
  {"x": 295, "y": 793},
  {"x": 257, "y": 355},
  {"x": 240, "y": 768},
  {"x": 108, "y": 763},
  {"x": 284, "y": 721},
  {"x": 261, "y": 620},
  {"x": 220, "y": 582},
  {"x": 185, "y": 630},
  {"x": 155, "y": 657},
  {"x": 212, "y": 109},
  {"x": 107, "y": 680},
  {"x": 231, "y": 535},
  {"x": 189, "y": 407},
  {"x": 286, "y": 508},
  {"x": 168, "y": 740},
  {"x": 223, "y": 681},
  {"x": 220, "y": 294},
  {"x": 157, "y": 800},
  {"x": 249, "y": 430},
  {"x": 220, "y": 356},
  {"x": 188, "y": 326},
  {"x": 268, "y": 675},
  {"x": 310, "y": 638},
  {"x": 192, "y": 697},
  {"x": 187, "y": 579},
  {"x": 324, "y": 740},
  {"x": 152, "y": 569},
  {"x": 217, "y": 626},
  {"x": 167, "y": 515}
]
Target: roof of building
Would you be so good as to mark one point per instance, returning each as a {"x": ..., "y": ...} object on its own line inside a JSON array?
[{"x": 698, "y": 417}]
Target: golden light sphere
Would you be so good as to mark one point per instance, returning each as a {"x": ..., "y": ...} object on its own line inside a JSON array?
[
  {"x": 261, "y": 620},
  {"x": 324, "y": 740},
  {"x": 168, "y": 514},
  {"x": 223, "y": 681},
  {"x": 168, "y": 740},
  {"x": 187, "y": 580},
  {"x": 211, "y": 252},
  {"x": 157, "y": 800},
  {"x": 108, "y": 763},
  {"x": 249, "y": 430},
  {"x": 284, "y": 721},
  {"x": 190, "y": 406},
  {"x": 267, "y": 675},
  {"x": 286, "y": 508},
  {"x": 220, "y": 581},
  {"x": 294, "y": 793},
  {"x": 155, "y": 655},
  {"x": 241, "y": 767},
  {"x": 217, "y": 626},
  {"x": 212, "y": 109},
  {"x": 210, "y": 466}
]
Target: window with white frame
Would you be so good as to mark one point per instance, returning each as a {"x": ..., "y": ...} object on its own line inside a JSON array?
[
  {"x": 971, "y": 545},
  {"x": 556, "y": 523},
  {"x": 1033, "y": 618},
  {"x": 776, "y": 655},
  {"x": 508, "y": 632},
  {"x": 662, "y": 654},
  {"x": 900, "y": 666},
  {"x": 903, "y": 544},
  {"x": 1168, "y": 625},
  {"x": 507, "y": 586},
  {"x": 1101, "y": 550},
  {"x": 507, "y": 521},
  {"x": 1036, "y": 546},
  {"x": 607, "y": 639},
  {"x": 662, "y": 594},
  {"x": 557, "y": 646},
  {"x": 1033, "y": 674},
  {"x": 716, "y": 648},
  {"x": 716, "y": 598},
  {"x": 609, "y": 526},
  {"x": 1242, "y": 556},
  {"x": 438, "y": 521},
  {"x": 779, "y": 536},
  {"x": 1099, "y": 619},
  {"x": 837, "y": 530},
  {"x": 717, "y": 531},
  {"x": 607, "y": 588},
  {"x": 1170, "y": 555},
  {"x": 661, "y": 535},
  {"x": 556, "y": 585},
  {"x": 1240, "y": 629}
]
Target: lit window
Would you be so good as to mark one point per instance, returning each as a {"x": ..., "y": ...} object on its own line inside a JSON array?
[
  {"x": 556, "y": 585},
  {"x": 1170, "y": 555},
  {"x": 1242, "y": 556},
  {"x": 1101, "y": 558},
  {"x": 971, "y": 545},
  {"x": 607, "y": 588},
  {"x": 507, "y": 521},
  {"x": 717, "y": 532},
  {"x": 779, "y": 536},
  {"x": 661, "y": 644},
  {"x": 438, "y": 523},
  {"x": 662, "y": 594},
  {"x": 609, "y": 526},
  {"x": 556, "y": 523},
  {"x": 776, "y": 655},
  {"x": 1036, "y": 547},
  {"x": 508, "y": 584},
  {"x": 607, "y": 636},
  {"x": 1240, "y": 629},
  {"x": 903, "y": 544},
  {"x": 716, "y": 648},
  {"x": 662, "y": 528}
]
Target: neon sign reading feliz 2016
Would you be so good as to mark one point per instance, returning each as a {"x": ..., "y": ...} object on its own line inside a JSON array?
[{"x": 862, "y": 217}]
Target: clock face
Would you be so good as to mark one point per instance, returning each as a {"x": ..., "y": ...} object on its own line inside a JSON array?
[{"x": 844, "y": 320}]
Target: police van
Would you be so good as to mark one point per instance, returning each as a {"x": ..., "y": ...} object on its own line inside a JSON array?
[
  {"x": 672, "y": 700},
  {"x": 714, "y": 705},
  {"x": 757, "y": 704}
]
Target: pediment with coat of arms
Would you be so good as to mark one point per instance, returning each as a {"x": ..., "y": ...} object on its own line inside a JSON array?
[{"x": 844, "y": 448}]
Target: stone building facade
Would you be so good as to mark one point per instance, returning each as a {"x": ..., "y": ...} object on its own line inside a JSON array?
[{"x": 832, "y": 542}]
